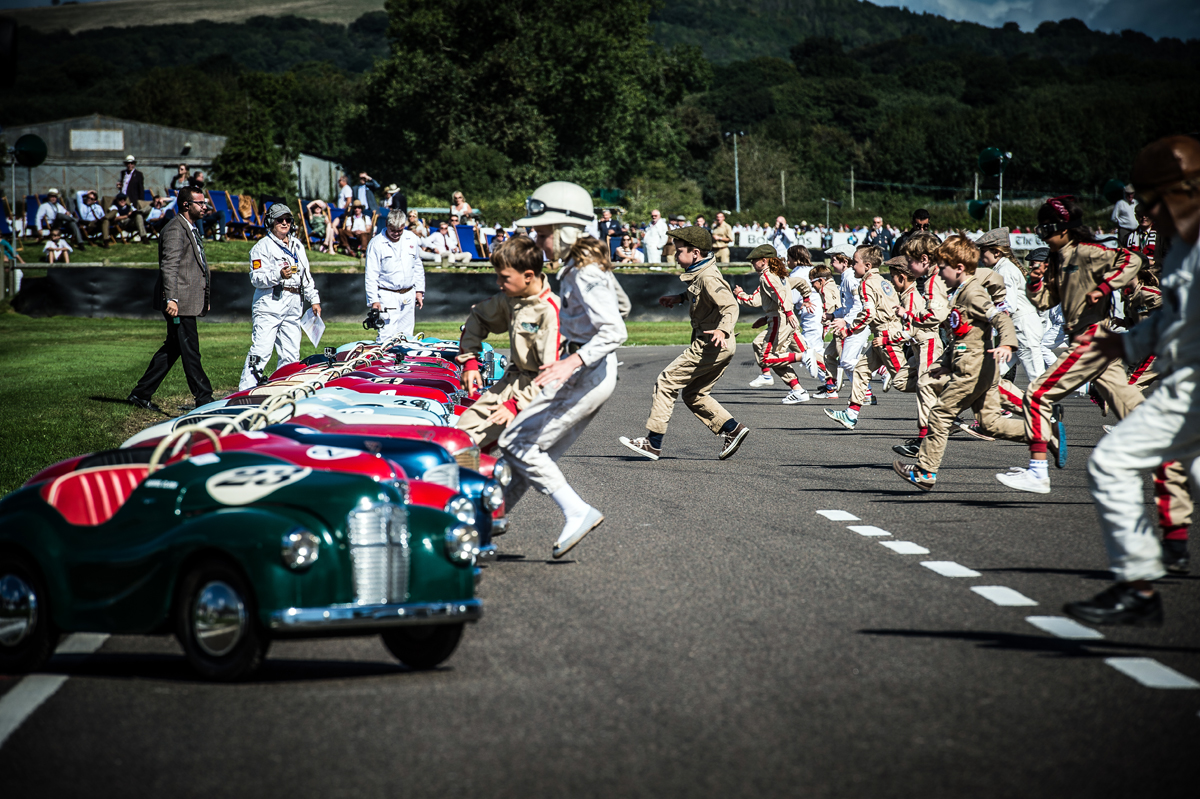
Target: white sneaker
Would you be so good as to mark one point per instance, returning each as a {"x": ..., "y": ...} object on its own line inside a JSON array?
[
  {"x": 764, "y": 379},
  {"x": 887, "y": 382},
  {"x": 796, "y": 396},
  {"x": 573, "y": 532},
  {"x": 1107, "y": 428},
  {"x": 1024, "y": 480}
]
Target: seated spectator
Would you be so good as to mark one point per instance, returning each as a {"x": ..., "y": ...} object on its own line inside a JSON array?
[
  {"x": 356, "y": 230},
  {"x": 156, "y": 215},
  {"x": 91, "y": 217},
  {"x": 125, "y": 217},
  {"x": 57, "y": 250},
  {"x": 444, "y": 244},
  {"x": 181, "y": 179},
  {"x": 321, "y": 222},
  {"x": 500, "y": 236},
  {"x": 459, "y": 206},
  {"x": 628, "y": 252},
  {"x": 417, "y": 226},
  {"x": 53, "y": 215}
]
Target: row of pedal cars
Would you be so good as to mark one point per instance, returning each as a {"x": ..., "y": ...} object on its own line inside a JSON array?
[{"x": 336, "y": 498}]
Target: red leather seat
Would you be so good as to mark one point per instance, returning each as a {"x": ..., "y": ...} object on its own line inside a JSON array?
[{"x": 91, "y": 496}]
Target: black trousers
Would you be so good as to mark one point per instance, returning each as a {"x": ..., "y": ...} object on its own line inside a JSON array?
[
  {"x": 69, "y": 225},
  {"x": 183, "y": 342},
  {"x": 215, "y": 218}
]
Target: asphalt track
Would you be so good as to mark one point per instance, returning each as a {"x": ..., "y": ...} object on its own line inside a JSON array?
[{"x": 715, "y": 637}]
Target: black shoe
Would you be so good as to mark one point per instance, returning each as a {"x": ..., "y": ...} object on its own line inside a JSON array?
[
  {"x": 1095, "y": 397},
  {"x": 732, "y": 440},
  {"x": 144, "y": 404},
  {"x": 909, "y": 449},
  {"x": 1175, "y": 557},
  {"x": 1118, "y": 604}
]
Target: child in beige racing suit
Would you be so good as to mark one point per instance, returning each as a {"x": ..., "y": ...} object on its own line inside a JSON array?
[
  {"x": 780, "y": 344},
  {"x": 528, "y": 310}
]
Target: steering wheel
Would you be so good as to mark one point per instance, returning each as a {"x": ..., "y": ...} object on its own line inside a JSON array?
[
  {"x": 274, "y": 404},
  {"x": 156, "y": 456}
]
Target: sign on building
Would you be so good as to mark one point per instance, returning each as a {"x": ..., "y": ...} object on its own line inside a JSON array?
[{"x": 97, "y": 140}]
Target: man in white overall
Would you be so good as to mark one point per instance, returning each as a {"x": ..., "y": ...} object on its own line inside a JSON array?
[
  {"x": 395, "y": 277},
  {"x": 577, "y": 385},
  {"x": 282, "y": 283}
]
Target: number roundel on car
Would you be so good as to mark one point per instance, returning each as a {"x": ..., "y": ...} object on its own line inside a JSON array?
[
  {"x": 323, "y": 453},
  {"x": 248, "y": 484}
]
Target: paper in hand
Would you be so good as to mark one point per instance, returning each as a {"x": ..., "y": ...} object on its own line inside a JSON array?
[{"x": 313, "y": 326}]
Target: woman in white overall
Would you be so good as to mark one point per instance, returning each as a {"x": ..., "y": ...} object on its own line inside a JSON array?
[{"x": 282, "y": 283}]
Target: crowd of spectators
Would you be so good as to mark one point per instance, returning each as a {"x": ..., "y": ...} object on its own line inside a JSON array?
[{"x": 347, "y": 225}]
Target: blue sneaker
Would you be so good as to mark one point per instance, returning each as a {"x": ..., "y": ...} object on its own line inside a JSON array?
[
  {"x": 915, "y": 475},
  {"x": 1058, "y": 441},
  {"x": 842, "y": 418}
]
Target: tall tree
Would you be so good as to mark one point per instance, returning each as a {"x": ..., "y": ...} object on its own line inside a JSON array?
[
  {"x": 251, "y": 162},
  {"x": 555, "y": 86}
]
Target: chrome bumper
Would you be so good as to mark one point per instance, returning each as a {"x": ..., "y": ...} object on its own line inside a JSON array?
[{"x": 367, "y": 617}]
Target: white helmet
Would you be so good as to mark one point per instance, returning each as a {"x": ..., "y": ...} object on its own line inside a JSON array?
[{"x": 558, "y": 203}]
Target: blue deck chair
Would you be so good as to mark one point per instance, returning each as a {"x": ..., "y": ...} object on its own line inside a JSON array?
[
  {"x": 147, "y": 195},
  {"x": 32, "y": 202},
  {"x": 171, "y": 192},
  {"x": 220, "y": 204},
  {"x": 466, "y": 240},
  {"x": 252, "y": 224}
]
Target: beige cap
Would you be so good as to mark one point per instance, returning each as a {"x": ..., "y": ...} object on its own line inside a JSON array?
[{"x": 52, "y": 191}]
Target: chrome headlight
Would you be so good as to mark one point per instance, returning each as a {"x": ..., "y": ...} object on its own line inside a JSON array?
[
  {"x": 493, "y": 497},
  {"x": 300, "y": 549},
  {"x": 462, "y": 509},
  {"x": 502, "y": 473},
  {"x": 444, "y": 475},
  {"x": 462, "y": 543}
]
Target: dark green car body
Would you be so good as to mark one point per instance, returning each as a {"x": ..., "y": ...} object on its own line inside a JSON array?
[{"x": 122, "y": 576}]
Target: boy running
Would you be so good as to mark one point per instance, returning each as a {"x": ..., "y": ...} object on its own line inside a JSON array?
[
  {"x": 528, "y": 310},
  {"x": 973, "y": 366},
  {"x": 714, "y": 312}
]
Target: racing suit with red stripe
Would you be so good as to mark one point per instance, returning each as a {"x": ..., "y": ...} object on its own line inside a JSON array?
[
  {"x": 1164, "y": 428},
  {"x": 880, "y": 314}
]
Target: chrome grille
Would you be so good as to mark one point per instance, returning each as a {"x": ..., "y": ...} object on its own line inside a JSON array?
[
  {"x": 379, "y": 553},
  {"x": 468, "y": 458}
]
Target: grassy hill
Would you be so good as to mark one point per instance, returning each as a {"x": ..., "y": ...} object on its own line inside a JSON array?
[{"x": 126, "y": 13}]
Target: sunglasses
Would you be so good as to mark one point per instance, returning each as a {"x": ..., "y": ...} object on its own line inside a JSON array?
[
  {"x": 285, "y": 220},
  {"x": 920, "y": 226}
]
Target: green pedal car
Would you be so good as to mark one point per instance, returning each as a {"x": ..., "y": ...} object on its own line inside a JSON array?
[{"x": 230, "y": 551}]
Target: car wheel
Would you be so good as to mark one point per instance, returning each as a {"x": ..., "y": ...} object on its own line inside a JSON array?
[
  {"x": 27, "y": 636},
  {"x": 423, "y": 647},
  {"x": 217, "y": 623}
]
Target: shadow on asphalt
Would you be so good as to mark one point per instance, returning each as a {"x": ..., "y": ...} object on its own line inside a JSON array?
[
  {"x": 1087, "y": 574},
  {"x": 1034, "y": 643},
  {"x": 175, "y": 668}
]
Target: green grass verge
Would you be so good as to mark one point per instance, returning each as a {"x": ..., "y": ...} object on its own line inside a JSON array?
[{"x": 66, "y": 379}]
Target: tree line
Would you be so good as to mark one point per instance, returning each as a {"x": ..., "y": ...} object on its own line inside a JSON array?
[{"x": 443, "y": 95}]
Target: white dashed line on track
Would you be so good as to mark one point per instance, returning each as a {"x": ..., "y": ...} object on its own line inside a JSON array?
[
  {"x": 905, "y": 547},
  {"x": 838, "y": 515},
  {"x": 948, "y": 568},
  {"x": 1152, "y": 674},
  {"x": 1063, "y": 627},
  {"x": 867, "y": 529},
  {"x": 1003, "y": 596},
  {"x": 29, "y": 694}
]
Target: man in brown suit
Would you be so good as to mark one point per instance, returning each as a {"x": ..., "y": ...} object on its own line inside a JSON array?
[{"x": 181, "y": 293}]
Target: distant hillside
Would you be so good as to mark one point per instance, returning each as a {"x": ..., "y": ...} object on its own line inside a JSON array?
[
  {"x": 735, "y": 30},
  {"x": 126, "y": 13}
]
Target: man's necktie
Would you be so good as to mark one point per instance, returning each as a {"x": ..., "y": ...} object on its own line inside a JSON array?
[{"x": 200, "y": 244}]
